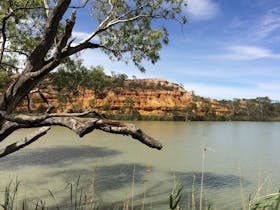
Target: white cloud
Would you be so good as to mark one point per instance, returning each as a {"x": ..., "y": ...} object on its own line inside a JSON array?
[
  {"x": 268, "y": 24},
  {"x": 202, "y": 9},
  {"x": 80, "y": 35},
  {"x": 272, "y": 86},
  {"x": 97, "y": 57},
  {"x": 94, "y": 57},
  {"x": 265, "y": 26},
  {"x": 226, "y": 92},
  {"x": 244, "y": 52}
]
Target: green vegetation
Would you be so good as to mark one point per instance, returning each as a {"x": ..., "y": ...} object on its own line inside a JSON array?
[
  {"x": 78, "y": 198},
  {"x": 73, "y": 78},
  {"x": 175, "y": 196},
  {"x": 4, "y": 79},
  {"x": 258, "y": 109},
  {"x": 38, "y": 43},
  {"x": 269, "y": 202}
]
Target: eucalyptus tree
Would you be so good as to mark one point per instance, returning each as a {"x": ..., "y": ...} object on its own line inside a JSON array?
[{"x": 35, "y": 40}]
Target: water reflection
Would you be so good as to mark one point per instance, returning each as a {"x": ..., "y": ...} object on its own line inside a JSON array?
[
  {"x": 107, "y": 178},
  {"x": 210, "y": 179},
  {"x": 58, "y": 156}
]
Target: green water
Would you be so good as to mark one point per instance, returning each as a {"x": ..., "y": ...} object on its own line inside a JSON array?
[{"x": 237, "y": 152}]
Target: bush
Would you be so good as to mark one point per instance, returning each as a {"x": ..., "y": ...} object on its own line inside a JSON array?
[{"x": 4, "y": 79}]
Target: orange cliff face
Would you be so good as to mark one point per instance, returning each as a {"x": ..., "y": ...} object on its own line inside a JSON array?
[{"x": 153, "y": 97}]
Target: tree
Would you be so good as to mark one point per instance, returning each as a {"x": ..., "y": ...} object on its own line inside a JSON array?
[
  {"x": 35, "y": 40},
  {"x": 129, "y": 104},
  {"x": 235, "y": 106},
  {"x": 266, "y": 108},
  {"x": 98, "y": 81},
  {"x": 4, "y": 79},
  {"x": 118, "y": 80},
  {"x": 191, "y": 111},
  {"x": 70, "y": 77}
]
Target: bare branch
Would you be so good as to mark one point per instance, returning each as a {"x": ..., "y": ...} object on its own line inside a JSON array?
[
  {"x": 111, "y": 5},
  {"x": 43, "y": 97},
  {"x": 46, "y": 4},
  {"x": 132, "y": 10},
  {"x": 9, "y": 65},
  {"x": 36, "y": 58},
  {"x": 3, "y": 33},
  {"x": 81, "y": 126},
  {"x": 24, "y": 142},
  {"x": 28, "y": 103},
  {"x": 67, "y": 34},
  {"x": 8, "y": 128},
  {"x": 80, "y": 7},
  {"x": 112, "y": 23},
  {"x": 101, "y": 26},
  {"x": 29, "y": 119},
  {"x": 16, "y": 51}
]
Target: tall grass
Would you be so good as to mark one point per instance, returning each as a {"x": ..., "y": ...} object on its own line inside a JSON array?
[
  {"x": 267, "y": 202},
  {"x": 79, "y": 200},
  {"x": 175, "y": 196},
  {"x": 10, "y": 194}
]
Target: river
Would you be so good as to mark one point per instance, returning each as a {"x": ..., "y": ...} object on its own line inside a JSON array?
[{"x": 242, "y": 160}]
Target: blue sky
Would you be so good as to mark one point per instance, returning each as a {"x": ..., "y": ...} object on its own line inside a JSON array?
[{"x": 228, "y": 49}]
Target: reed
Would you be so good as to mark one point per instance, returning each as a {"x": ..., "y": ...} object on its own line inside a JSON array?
[
  {"x": 92, "y": 190},
  {"x": 267, "y": 202},
  {"x": 78, "y": 199},
  {"x": 132, "y": 187},
  {"x": 175, "y": 196},
  {"x": 10, "y": 194},
  {"x": 202, "y": 177},
  {"x": 193, "y": 193}
]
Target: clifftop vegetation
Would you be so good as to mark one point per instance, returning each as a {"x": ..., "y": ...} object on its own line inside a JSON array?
[{"x": 75, "y": 88}]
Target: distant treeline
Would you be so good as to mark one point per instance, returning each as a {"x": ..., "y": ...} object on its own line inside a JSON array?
[
  {"x": 72, "y": 78},
  {"x": 258, "y": 109}
]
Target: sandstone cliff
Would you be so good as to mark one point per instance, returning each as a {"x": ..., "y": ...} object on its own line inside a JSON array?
[{"x": 145, "y": 97}]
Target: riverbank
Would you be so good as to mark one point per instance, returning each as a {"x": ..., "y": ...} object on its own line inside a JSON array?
[{"x": 138, "y": 117}]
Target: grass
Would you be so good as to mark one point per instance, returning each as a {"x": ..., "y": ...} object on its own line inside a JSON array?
[
  {"x": 10, "y": 194},
  {"x": 267, "y": 202},
  {"x": 175, "y": 196},
  {"x": 79, "y": 200}
]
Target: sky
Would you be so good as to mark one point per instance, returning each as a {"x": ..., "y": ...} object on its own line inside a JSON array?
[{"x": 228, "y": 49}]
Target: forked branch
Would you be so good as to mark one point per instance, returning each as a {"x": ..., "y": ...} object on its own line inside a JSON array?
[
  {"x": 24, "y": 142},
  {"x": 75, "y": 122}
]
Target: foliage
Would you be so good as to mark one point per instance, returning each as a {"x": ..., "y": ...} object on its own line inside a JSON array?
[
  {"x": 4, "y": 79},
  {"x": 70, "y": 77},
  {"x": 175, "y": 196},
  {"x": 78, "y": 197},
  {"x": 10, "y": 194},
  {"x": 22, "y": 23},
  {"x": 106, "y": 107},
  {"x": 118, "y": 79},
  {"x": 124, "y": 28},
  {"x": 268, "y": 202},
  {"x": 98, "y": 81},
  {"x": 198, "y": 109},
  {"x": 191, "y": 111},
  {"x": 129, "y": 103},
  {"x": 137, "y": 40},
  {"x": 258, "y": 109}
]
